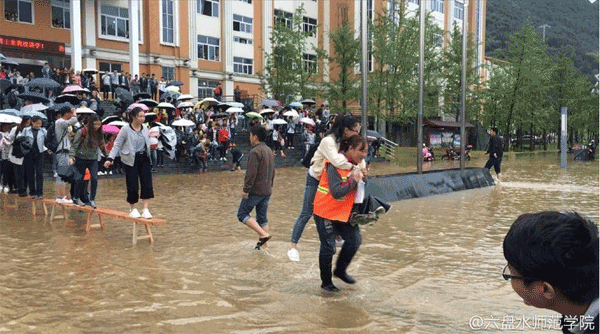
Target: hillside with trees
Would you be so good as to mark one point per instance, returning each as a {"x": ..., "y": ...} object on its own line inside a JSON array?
[{"x": 573, "y": 25}]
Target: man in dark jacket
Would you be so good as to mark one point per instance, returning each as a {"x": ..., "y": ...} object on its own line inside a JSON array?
[
  {"x": 258, "y": 182},
  {"x": 495, "y": 152}
]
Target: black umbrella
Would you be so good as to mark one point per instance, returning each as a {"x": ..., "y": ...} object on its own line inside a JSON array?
[
  {"x": 58, "y": 106},
  {"x": 9, "y": 62},
  {"x": 70, "y": 98},
  {"x": 110, "y": 119},
  {"x": 34, "y": 97},
  {"x": 5, "y": 84},
  {"x": 374, "y": 134},
  {"x": 369, "y": 210},
  {"x": 176, "y": 83},
  {"x": 308, "y": 101},
  {"x": 139, "y": 96},
  {"x": 124, "y": 95},
  {"x": 148, "y": 102},
  {"x": 42, "y": 83},
  {"x": 218, "y": 115}
]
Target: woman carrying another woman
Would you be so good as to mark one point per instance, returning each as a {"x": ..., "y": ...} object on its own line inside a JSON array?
[
  {"x": 133, "y": 146},
  {"x": 333, "y": 204},
  {"x": 329, "y": 150},
  {"x": 84, "y": 153}
]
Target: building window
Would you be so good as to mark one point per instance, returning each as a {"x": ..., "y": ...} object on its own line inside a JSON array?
[
  {"x": 208, "y": 48},
  {"x": 416, "y": 2},
  {"x": 242, "y": 65},
  {"x": 310, "y": 25},
  {"x": 310, "y": 63},
  {"x": 459, "y": 10},
  {"x": 168, "y": 16},
  {"x": 284, "y": 18},
  {"x": 114, "y": 21},
  {"x": 242, "y": 40},
  {"x": 247, "y": 1},
  {"x": 18, "y": 10},
  {"x": 108, "y": 67},
  {"x": 437, "y": 5},
  {"x": 206, "y": 88},
  {"x": 61, "y": 15},
  {"x": 168, "y": 73},
  {"x": 208, "y": 7},
  {"x": 242, "y": 23},
  {"x": 438, "y": 39}
]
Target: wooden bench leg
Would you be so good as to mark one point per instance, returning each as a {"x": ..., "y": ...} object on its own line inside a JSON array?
[
  {"x": 88, "y": 222},
  {"x": 33, "y": 208},
  {"x": 134, "y": 233},
  {"x": 149, "y": 234},
  {"x": 45, "y": 209},
  {"x": 101, "y": 218}
]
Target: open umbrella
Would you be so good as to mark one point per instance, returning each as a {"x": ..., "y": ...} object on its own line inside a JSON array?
[
  {"x": 4, "y": 118},
  {"x": 270, "y": 103},
  {"x": 184, "y": 97},
  {"x": 219, "y": 115},
  {"x": 253, "y": 114},
  {"x": 118, "y": 123},
  {"x": 33, "y": 107},
  {"x": 33, "y": 97},
  {"x": 209, "y": 101},
  {"x": 183, "y": 122},
  {"x": 42, "y": 83},
  {"x": 33, "y": 113},
  {"x": 110, "y": 129},
  {"x": 138, "y": 105},
  {"x": 374, "y": 134},
  {"x": 279, "y": 121},
  {"x": 5, "y": 84},
  {"x": 109, "y": 119},
  {"x": 172, "y": 89},
  {"x": 12, "y": 112},
  {"x": 296, "y": 105},
  {"x": 185, "y": 105},
  {"x": 308, "y": 121},
  {"x": 165, "y": 105},
  {"x": 2, "y": 57},
  {"x": 85, "y": 110},
  {"x": 124, "y": 95},
  {"x": 149, "y": 102},
  {"x": 59, "y": 106},
  {"x": 235, "y": 110},
  {"x": 308, "y": 101},
  {"x": 292, "y": 113},
  {"x": 267, "y": 111},
  {"x": 90, "y": 70},
  {"x": 9, "y": 61},
  {"x": 176, "y": 83},
  {"x": 70, "y": 98},
  {"x": 140, "y": 96},
  {"x": 74, "y": 89}
]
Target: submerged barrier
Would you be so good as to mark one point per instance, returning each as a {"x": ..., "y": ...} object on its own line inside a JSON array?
[{"x": 396, "y": 187}]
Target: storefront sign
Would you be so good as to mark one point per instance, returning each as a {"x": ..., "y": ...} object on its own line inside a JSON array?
[{"x": 31, "y": 45}]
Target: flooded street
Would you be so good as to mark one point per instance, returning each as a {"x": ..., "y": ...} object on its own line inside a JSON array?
[{"x": 428, "y": 266}]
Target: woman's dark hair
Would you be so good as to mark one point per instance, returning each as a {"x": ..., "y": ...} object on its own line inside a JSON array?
[
  {"x": 35, "y": 119},
  {"x": 133, "y": 113},
  {"x": 24, "y": 120},
  {"x": 95, "y": 137},
  {"x": 353, "y": 142},
  {"x": 341, "y": 123},
  {"x": 259, "y": 132},
  {"x": 558, "y": 248}
]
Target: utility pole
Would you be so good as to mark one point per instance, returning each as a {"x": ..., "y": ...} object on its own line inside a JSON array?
[
  {"x": 365, "y": 64},
  {"x": 544, "y": 26},
  {"x": 421, "y": 85}
]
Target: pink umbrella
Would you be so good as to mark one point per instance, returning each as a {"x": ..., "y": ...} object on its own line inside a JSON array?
[
  {"x": 138, "y": 105},
  {"x": 110, "y": 129},
  {"x": 308, "y": 121},
  {"x": 74, "y": 89},
  {"x": 185, "y": 105}
]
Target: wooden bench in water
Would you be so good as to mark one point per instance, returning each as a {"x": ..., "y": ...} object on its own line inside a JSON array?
[{"x": 100, "y": 212}]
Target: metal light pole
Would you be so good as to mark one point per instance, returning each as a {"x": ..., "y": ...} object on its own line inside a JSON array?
[
  {"x": 421, "y": 84},
  {"x": 463, "y": 98},
  {"x": 563, "y": 137},
  {"x": 365, "y": 64},
  {"x": 544, "y": 26}
]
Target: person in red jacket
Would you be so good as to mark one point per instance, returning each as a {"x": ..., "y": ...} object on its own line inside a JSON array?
[{"x": 223, "y": 138}]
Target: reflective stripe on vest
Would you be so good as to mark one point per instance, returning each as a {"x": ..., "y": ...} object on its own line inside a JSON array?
[{"x": 325, "y": 206}]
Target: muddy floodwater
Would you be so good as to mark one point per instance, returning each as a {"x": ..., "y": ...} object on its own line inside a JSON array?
[{"x": 431, "y": 265}]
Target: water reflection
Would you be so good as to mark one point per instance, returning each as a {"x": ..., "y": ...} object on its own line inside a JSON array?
[{"x": 428, "y": 266}]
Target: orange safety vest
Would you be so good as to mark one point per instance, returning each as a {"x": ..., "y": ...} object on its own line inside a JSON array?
[{"x": 325, "y": 206}]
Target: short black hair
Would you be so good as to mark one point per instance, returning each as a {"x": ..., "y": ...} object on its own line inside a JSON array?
[
  {"x": 558, "y": 248},
  {"x": 495, "y": 129},
  {"x": 35, "y": 119},
  {"x": 259, "y": 132}
]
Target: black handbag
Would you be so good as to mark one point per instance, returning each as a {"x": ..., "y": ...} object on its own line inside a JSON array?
[
  {"x": 22, "y": 146},
  {"x": 66, "y": 173}
]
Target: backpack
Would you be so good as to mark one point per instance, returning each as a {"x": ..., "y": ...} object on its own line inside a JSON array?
[
  {"x": 309, "y": 155},
  {"x": 21, "y": 146},
  {"x": 12, "y": 99},
  {"x": 51, "y": 141}
]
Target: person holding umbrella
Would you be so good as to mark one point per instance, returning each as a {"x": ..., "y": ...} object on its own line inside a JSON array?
[
  {"x": 133, "y": 146},
  {"x": 84, "y": 154}
]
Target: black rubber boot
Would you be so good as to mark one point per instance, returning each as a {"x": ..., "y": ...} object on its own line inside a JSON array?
[
  {"x": 342, "y": 263},
  {"x": 327, "y": 283}
]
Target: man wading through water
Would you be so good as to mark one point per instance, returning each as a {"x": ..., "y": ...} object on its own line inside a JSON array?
[{"x": 258, "y": 183}]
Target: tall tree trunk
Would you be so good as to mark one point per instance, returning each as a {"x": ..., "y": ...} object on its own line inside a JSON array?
[
  {"x": 544, "y": 140},
  {"x": 532, "y": 145}
]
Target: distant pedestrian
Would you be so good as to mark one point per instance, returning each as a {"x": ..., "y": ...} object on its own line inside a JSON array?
[
  {"x": 218, "y": 92},
  {"x": 495, "y": 152},
  {"x": 258, "y": 183}
]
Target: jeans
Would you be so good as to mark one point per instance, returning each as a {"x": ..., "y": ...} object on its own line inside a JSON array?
[
  {"x": 8, "y": 177},
  {"x": 248, "y": 204},
  {"x": 154, "y": 157},
  {"x": 34, "y": 169},
  {"x": 81, "y": 165},
  {"x": 140, "y": 169},
  {"x": 20, "y": 179},
  {"x": 307, "y": 208}
]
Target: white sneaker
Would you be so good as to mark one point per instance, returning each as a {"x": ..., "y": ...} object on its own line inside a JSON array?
[
  {"x": 67, "y": 200},
  {"x": 59, "y": 200},
  {"x": 146, "y": 213},
  {"x": 294, "y": 255},
  {"x": 101, "y": 173},
  {"x": 5, "y": 190},
  {"x": 339, "y": 243},
  {"x": 134, "y": 213}
]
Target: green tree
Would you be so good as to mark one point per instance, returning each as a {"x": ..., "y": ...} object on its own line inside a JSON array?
[
  {"x": 286, "y": 74},
  {"x": 344, "y": 88}
]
